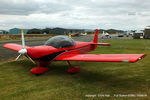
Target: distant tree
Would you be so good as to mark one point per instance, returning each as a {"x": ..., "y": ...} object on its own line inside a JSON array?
[
  {"x": 34, "y": 31},
  {"x": 46, "y": 30}
]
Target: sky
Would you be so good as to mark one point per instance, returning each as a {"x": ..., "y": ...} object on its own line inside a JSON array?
[{"x": 83, "y": 14}]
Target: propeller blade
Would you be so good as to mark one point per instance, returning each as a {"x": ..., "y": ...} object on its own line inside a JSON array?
[
  {"x": 30, "y": 58},
  {"x": 22, "y": 37},
  {"x": 18, "y": 57}
]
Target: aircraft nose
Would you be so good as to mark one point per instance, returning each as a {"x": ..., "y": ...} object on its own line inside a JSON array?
[{"x": 22, "y": 51}]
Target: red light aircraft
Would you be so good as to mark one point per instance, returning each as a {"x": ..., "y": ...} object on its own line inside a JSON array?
[{"x": 63, "y": 48}]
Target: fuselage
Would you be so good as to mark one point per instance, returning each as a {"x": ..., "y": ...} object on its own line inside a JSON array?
[
  {"x": 61, "y": 45},
  {"x": 48, "y": 53}
]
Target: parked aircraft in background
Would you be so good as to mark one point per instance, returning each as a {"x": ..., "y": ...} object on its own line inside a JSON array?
[
  {"x": 83, "y": 34},
  {"x": 105, "y": 35}
]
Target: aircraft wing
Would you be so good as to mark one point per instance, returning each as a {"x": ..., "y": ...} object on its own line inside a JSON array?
[
  {"x": 105, "y": 44},
  {"x": 13, "y": 46},
  {"x": 102, "y": 57}
]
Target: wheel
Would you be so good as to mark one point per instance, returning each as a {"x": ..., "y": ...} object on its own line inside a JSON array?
[{"x": 73, "y": 70}]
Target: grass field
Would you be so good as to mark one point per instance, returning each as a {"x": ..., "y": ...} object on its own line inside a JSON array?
[{"x": 95, "y": 78}]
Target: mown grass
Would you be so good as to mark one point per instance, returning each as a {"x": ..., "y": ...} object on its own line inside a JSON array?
[{"x": 16, "y": 82}]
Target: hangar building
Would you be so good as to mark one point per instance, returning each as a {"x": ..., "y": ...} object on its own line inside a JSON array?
[
  {"x": 3, "y": 32},
  {"x": 17, "y": 31},
  {"x": 147, "y": 32},
  {"x": 138, "y": 34}
]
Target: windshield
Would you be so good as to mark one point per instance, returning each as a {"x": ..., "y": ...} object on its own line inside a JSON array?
[{"x": 60, "y": 42}]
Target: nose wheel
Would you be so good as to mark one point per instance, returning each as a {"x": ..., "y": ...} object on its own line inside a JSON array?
[{"x": 72, "y": 69}]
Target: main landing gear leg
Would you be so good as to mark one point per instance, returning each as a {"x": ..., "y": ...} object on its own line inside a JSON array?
[
  {"x": 73, "y": 70},
  {"x": 40, "y": 69}
]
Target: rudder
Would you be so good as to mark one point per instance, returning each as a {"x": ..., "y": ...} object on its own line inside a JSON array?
[{"x": 95, "y": 40}]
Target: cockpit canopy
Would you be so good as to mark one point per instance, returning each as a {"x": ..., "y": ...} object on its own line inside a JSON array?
[{"x": 60, "y": 42}]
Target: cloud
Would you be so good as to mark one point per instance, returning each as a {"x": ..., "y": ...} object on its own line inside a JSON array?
[
  {"x": 120, "y": 14},
  {"x": 26, "y": 7}
]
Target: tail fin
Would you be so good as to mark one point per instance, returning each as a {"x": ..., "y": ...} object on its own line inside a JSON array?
[
  {"x": 95, "y": 40},
  {"x": 103, "y": 33}
]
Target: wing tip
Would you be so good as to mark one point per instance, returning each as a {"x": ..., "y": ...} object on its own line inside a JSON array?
[
  {"x": 6, "y": 45},
  {"x": 139, "y": 58}
]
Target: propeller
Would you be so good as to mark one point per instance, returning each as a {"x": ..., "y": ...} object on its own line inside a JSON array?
[{"x": 23, "y": 51}]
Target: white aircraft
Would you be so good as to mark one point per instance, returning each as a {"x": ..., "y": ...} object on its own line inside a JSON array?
[
  {"x": 83, "y": 34},
  {"x": 105, "y": 34}
]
